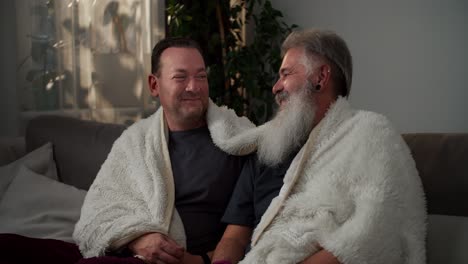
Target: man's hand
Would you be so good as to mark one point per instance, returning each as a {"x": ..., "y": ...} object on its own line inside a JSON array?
[
  {"x": 157, "y": 248},
  {"x": 323, "y": 257},
  {"x": 233, "y": 243},
  {"x": 192, "y": 259},
  {"x": 195, "y": 259}
]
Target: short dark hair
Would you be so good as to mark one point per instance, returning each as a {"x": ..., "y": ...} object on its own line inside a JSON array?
[{"x": 179, "y": 42}]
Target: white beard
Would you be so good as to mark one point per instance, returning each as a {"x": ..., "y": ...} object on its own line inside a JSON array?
[{"x": 289, "y": 129}]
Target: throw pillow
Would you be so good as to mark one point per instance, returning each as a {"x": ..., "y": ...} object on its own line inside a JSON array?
[
  {"x": 40, "y": 161},
  {"x": 36, "y": 206}
]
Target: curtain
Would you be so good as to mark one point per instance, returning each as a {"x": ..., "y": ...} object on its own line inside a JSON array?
[{"x": 87, "y": 58}]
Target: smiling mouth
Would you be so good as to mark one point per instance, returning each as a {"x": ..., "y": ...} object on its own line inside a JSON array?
[
  {"x": 281, "y": 97},
  {"x": 281, "y": 101}
]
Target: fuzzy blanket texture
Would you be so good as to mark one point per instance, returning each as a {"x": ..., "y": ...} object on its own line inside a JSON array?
[
  {"x": 133, "y": 193},
  {"x": 354, "y": 190}
]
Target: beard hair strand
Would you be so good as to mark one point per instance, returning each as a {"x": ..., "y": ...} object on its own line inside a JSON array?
[{"x": 289, "y": 129}]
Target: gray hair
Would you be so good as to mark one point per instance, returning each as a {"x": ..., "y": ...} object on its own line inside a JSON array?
[{"x": 329, "y": 45}]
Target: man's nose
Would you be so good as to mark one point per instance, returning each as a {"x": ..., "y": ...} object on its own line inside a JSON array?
[
  {"x": 192, "y": 85},
  {"x": 278, "y": 87}
]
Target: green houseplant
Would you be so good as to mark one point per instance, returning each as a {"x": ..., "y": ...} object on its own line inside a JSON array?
[{"x": 242, "y": 67}]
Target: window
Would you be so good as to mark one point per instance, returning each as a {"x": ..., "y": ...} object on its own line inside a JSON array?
[{"x": 86, "y": 58}]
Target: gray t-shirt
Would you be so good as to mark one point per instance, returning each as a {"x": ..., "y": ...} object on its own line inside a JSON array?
[
  {"x": 257, "y": 186},
  {"x": 204, "y": 178}
]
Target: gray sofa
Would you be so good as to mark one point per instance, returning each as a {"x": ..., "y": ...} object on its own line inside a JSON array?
[{"x": 80, "y": 147}]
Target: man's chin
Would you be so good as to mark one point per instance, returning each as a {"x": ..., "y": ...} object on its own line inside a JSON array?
[
  {"x": 193, "y": 113},
  {"x": 192, "y": 104}
]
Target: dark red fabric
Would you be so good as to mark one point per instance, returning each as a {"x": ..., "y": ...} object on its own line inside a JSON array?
[
  {"x": 111, "y": 260},
  {"x": 16, "y": 249}
]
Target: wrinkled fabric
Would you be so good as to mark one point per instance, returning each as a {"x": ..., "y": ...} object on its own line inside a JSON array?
[
  {"x": 353, "y": 189},
  {"x": 133, "y": 193}
]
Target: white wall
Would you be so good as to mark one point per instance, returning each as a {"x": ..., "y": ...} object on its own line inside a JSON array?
[
  {"x": 410, "y": 57},
  {"x": 8, "y": 103}
]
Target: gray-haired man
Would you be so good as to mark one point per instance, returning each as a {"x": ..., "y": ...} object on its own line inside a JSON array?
[{"x": 328, "y": 184}]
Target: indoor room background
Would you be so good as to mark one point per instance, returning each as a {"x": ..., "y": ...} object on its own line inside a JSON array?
[{"x": 409, "y": 58}]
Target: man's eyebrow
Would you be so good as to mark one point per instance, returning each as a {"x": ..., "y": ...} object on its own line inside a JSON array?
[
  {"x": 288, "y": 69},
  {"x": 185, "y": 71}
]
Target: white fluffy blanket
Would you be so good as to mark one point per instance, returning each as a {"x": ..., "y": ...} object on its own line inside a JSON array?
[
  {"x": 352, "y": 189},
  {"x": 133, "y": 193}
]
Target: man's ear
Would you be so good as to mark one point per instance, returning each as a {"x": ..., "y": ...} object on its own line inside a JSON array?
[
  {"x": 153, "y": 85},
  {"x": 324, "y": 75}
]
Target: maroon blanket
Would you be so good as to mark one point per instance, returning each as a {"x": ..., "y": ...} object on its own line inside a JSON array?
[{"x": 16, "y": 249}]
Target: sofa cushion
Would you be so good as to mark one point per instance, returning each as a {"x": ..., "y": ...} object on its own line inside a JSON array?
[
  {"x": 40, "y": 161},
  {"x": 80, "y": 147},
  {"x": 37, "y": 206},
  {"x": 441, "y": 160},
  {"x": 11, "y": 149},
  {"x": 447, "y": 238}
]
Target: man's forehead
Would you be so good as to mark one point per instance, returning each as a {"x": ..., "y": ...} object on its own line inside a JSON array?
[
  {"x": 293, "y": 59},
  {"x": 291, "y": 65},
  {"x": 294, "y": 53},
  {"x": 172, "y": 50},
  {"x": 288, "y": 68},
  {"x": 182, "y": 59}
]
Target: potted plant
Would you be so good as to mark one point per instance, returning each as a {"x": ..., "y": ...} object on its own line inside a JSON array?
[{"x": 242, "y": 66}]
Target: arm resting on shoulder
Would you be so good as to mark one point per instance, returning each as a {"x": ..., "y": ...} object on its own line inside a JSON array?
[
  {"x": 233, "y": 243},
  {"x": 321, "y": 257}
]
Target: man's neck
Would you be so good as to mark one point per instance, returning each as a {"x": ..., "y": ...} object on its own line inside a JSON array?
[
  {"x": 323, "y": 105},
  {"x": 183, "y": 125}
]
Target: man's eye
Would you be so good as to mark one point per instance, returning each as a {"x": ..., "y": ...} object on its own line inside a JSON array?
[
  {"x": 283, "y": 75},
  {"x": 201, "y": 77},
  {"x": 179, "y": 77}
]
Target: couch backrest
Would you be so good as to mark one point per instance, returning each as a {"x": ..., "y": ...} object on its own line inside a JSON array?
[
  {"x": 80, "y": 147},
  {"x": 442, "y": 163}
]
